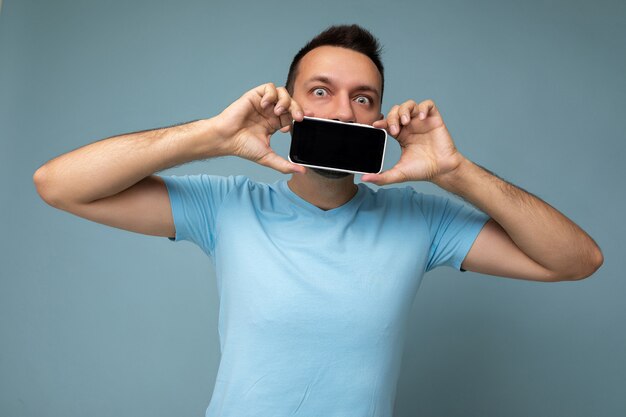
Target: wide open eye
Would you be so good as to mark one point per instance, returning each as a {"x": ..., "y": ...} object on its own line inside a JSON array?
[
  {"x": 363, "y": 100},
  {"x": 320, "y": 92}
]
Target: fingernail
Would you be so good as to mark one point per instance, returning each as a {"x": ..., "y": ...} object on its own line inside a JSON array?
[
  {"x": 422, "y": 115},
  {"x": 279, "y": 110},
  {"x": 299, "y": 115},
  {"x": 405, "y": 119},
  {"x": 394, "y": 129}
]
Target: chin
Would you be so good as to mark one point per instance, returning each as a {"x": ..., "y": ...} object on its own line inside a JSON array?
[{"x": 331, "y": 174}]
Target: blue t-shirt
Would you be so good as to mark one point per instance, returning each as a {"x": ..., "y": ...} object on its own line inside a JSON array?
[{"x": 314, "y": 303}]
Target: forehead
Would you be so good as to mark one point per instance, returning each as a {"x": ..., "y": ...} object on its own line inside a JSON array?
[{"x": 343, "y": 65}]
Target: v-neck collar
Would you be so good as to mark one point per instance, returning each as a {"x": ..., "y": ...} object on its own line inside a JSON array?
[{"x": 284, "y": 188}]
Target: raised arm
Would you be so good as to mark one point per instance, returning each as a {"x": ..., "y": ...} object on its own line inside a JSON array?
[
  {"x": 112, "y": 181},
  {"x": 526, "y": 238}
]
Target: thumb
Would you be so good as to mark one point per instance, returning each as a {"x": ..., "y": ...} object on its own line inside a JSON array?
[
  {"x": 272, "y": 160},
  {"x": 387, "y": 177}
]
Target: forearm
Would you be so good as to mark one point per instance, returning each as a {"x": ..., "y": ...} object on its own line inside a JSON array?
[
  {"x": 540, "y": 231},
  {"x": 106, "y": 167}
]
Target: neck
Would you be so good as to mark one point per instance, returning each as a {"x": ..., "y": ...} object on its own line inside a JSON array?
[{"x": 323, "y": 192}]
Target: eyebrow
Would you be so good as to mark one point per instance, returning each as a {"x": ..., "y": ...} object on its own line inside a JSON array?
[{"x": 327, "y": 80}]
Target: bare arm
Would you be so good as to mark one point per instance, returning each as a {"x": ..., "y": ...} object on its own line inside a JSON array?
[
  {"x": 526, "y": 238},
  {"x": 95, "y": 180},
  {"x": 112, "y": 181}
]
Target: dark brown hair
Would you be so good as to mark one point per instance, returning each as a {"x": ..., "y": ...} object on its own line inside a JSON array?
[{"x": 352, "y": 37}]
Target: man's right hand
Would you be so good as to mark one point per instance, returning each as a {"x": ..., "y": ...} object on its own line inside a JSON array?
[{"x": 248, "y": 124}]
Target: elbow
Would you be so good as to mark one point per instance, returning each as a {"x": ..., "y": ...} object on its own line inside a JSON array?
[
  {"x": 592, "y": 263},
  {"x": 41, "y": 179}
]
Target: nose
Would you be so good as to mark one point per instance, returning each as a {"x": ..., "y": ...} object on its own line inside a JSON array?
[{"x": 343, "y": 110}]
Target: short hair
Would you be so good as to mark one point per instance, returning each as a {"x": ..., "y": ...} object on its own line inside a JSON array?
[{"x": 352, "y": 37}]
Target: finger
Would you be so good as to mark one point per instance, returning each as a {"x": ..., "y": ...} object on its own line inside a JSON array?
[
  {"x": 393, "y": 121},
  {"x": 425, "y": 108},
  {"x": 283, "y": 101},
  {"x": 386, "y": 177},
  {"x": 270, "y": 95},
  {"x": 287, "y": 109},
  {"x": 272, "y": 160},
  {"x": 296, "y": 111},
  {"x": 380, "y": 124},
  {"x": 285, "y": 121},
  {"x": 407, "y": 110}
]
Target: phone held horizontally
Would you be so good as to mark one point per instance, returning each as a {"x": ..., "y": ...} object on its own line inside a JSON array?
[{"x": 338, "y": 146}]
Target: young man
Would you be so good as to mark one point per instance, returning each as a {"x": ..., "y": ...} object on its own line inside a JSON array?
[{"x": 316, "y": 275}]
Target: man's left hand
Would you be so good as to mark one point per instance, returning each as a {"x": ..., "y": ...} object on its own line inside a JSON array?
[{"x": 428, "y": 151}]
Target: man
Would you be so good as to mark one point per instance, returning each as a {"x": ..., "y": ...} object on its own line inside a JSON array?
[{"x": 316, "y": 275}]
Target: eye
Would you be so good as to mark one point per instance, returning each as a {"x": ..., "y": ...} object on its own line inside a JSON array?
[
  {"x": 320, "y": 92},
  {"x": 363, "y": 100}
]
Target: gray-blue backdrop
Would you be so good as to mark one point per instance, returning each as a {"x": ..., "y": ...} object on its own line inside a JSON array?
[{"x": 102, "y": 322}]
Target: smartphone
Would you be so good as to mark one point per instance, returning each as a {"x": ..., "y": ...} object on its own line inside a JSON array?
[{"x": 338, "y": 146}]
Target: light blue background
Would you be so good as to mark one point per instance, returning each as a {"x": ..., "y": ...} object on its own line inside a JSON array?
[{"x": 102, "y": 322}]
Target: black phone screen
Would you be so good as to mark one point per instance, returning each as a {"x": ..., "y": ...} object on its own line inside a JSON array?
[{"x": 344, "y": 146}]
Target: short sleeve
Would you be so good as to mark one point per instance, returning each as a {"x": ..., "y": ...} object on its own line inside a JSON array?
[
  {"x": 195, "y": 201},
  {"x": 453, "y": 229}
]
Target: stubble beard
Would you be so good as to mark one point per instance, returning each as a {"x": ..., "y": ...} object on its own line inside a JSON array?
[{"x": 333, "y": 175}]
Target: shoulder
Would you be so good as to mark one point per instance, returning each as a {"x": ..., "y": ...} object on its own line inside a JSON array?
[{"x": 206, "y": 180}]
